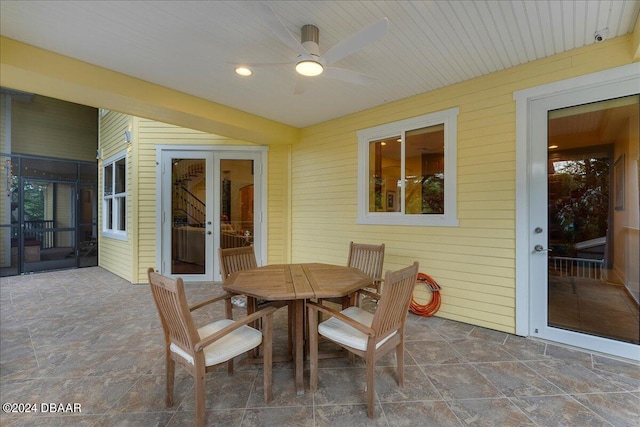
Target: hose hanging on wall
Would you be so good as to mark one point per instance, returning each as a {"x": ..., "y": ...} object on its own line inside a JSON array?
[{"x": 429, "y": 309}]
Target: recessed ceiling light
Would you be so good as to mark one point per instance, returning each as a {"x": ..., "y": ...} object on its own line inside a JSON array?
[
  {"x": 553, "y": 147},
  {"x": 243, "y": 71}
]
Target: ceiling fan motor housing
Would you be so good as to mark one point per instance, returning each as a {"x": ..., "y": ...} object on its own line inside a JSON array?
[{"x": 310, "y": 37}]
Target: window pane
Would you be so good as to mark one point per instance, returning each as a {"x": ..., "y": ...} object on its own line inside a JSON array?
[
  {"x": 384, "y": 174},
  {"x": 109, "y": 214},
  {"x": 120, "y": 176},
  {"x": 424, "y": 170},
  {"x": 108, "y": 180},
  {"x": 122, "y": 213}
]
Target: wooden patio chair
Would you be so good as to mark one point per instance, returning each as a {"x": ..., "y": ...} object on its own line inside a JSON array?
[
  {"x": 199, "y": 350},
  {"x": 365, "y": 334},
  {"x": 369, "y": 259},
  {"x": 244, "y": 258}
]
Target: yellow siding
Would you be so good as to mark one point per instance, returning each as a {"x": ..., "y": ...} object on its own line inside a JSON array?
[
  {"x": 278, "y": 209},
  {"x": 55, "y": 129},
  {"x": 116, "y": 255},
  {"x": 475, "y": 262},
  {"x": 148, "y": 134}
]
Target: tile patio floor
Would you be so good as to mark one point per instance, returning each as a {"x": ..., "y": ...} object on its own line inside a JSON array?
[{"x": 86, "y": 336}]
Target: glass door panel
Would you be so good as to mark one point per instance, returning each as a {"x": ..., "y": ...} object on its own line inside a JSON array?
[
  {"x": 49, "y": 216},
  {"x": 592, "y": 194},
  {"x": 236, "y": 203},
  {"x": 88, "y": 216},
  {"x": 189, "y": 216}
]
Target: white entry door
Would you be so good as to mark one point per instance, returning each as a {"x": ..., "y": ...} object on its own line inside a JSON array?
[{"x": 560, "y": 264}]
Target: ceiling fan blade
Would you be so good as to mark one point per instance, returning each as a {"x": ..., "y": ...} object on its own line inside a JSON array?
[
  {"x": 260, "y": 64},
  {"x": 348, "y": 76},
  {"x": 357, "y": 41},
  {"x": 277, "y": 27},
  {"x": 300, "y": 88}
]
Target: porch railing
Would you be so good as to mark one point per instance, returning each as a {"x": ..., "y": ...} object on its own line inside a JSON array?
[
  {"x": 582, "y": 268},
  {"x": 40, "y": 230}
]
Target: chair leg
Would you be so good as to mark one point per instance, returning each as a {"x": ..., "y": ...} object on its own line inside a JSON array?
[
  {"x": 313, "y": 349},
  {"x": 200, "y": 396},
  {"x": 371, "y": 387},
  {"x": 171, "y": 369},
  {"x": 400, "y": 361}
]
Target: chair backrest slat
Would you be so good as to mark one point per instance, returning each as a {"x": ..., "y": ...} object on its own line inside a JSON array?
[
  {"x": 173, "y": 309},
  {"x": 236, "y": 259},
  {"x": 367, "y": 258},
  {"x": 393, "y": 306}
]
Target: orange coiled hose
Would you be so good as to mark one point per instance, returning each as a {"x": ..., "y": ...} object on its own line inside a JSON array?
[{"x": 429, "y": 309}]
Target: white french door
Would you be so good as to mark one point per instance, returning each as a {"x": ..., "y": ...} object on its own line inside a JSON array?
[
  {"x": 187, "y": 215},
  {"x": 208, "y": 199},
  {"x": 534, "y": 298}
]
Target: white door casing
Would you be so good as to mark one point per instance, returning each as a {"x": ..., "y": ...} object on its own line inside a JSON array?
[
  {"x": 532, "y": 106},
  {"x": 213, "y": 154}
]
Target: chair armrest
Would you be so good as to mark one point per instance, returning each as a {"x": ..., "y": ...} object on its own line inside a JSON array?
[
  {"x": 265, "y": 312},
  {"x": 349, "y": 321},
  {"x": 368, "y": 293},
  {"x": 201, "y": 304}
]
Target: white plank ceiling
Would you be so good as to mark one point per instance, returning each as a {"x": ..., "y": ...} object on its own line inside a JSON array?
[{"x": 190, "y": 45}]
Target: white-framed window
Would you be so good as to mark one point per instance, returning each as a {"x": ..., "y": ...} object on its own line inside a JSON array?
[
  {"x": 114, "y": 197},
  {"x": 407, "y": 171}
]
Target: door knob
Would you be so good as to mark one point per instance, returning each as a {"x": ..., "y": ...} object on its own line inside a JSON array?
[{"x": 538, "y": 248}]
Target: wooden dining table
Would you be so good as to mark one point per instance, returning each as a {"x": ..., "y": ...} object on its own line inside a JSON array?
[{"x": 297, "y": 283}]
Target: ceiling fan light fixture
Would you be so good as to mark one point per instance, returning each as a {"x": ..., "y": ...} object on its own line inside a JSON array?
[
  {"x": 243, "y": 71},
  {"x": 309, "y": 68}
]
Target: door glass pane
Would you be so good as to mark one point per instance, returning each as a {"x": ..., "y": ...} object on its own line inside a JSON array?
[
  {"x": 49, "y": 225},
  {"x": 593, "y": 219},
  {"x": 9, "y": 214},
  {"x": 236, "y": 203},
  {"x": 88, "y": 216},
  {"x": 188, "y": 177}
]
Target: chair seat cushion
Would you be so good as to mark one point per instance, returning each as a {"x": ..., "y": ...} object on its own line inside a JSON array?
[
  {"x": 231, "y": 345},
  {"x": 340, "y": 332}
]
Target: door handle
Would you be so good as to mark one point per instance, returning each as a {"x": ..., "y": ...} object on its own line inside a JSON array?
[{"x": 539, "y": 248}]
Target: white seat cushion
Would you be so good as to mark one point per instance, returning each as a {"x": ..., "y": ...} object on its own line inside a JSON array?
[
  {"x": 338, "y": 331},
  {"x": 237, "y": 342}
]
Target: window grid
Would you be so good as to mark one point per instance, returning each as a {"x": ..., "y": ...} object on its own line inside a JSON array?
[{"x": 114, "y": 197}]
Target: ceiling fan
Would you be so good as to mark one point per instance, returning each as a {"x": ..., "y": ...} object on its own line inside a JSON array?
[{"x": 309, "y": 62}]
